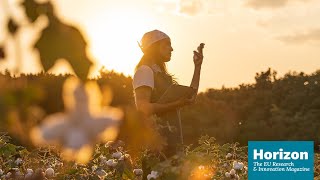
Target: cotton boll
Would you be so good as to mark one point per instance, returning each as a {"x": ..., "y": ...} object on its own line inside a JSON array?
[
  {"x": 234, "y": 164},
  {"x": 49, "y": 173},
  {"x": 29, "y": 174},
  {"x": 18, "y": 161},
  {"x": 108, "y": 144},
  {"x": 8, "y": 175},
  {"x": 112, "y": 163},
  {"x": 103, "y": 162},
  {"x": 59, "y": 164},
  {"x": 29, "y": 171},
  {"x": 39, "y": 174},
  {"x": 126, "y": 156},
  {"x": 240, "y": 165},
  {"x": 109, "y": 162},
  {"x": 237, "y": 165},
  {"x": 94, "y": 168},
  {"x": 153, "y": 175},
  {"x": 232, "y": 172},
  {"x": 103, "y": 158},
  {"x": 117, "y": 155},
  {"x": 229, "y": 155},
  {"x": 101, "y": 173},
  {"x": 138, "y": 172},
  {"x": 19, "y": 175}
]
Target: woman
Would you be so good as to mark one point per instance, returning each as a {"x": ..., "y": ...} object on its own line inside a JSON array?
[{"x": 151, "y": 80}]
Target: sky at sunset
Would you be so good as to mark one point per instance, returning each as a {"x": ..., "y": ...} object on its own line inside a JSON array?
[{"x": 242, "y": 37}]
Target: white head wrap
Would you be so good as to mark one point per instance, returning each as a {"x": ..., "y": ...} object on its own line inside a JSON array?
[{"x": 151, "y": 37}]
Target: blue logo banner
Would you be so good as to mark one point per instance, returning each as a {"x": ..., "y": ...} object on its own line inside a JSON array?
[{"x": 280, "y": 160}]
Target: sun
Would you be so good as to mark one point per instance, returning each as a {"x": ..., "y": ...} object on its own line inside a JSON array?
[{"x": 113, "y": 39}]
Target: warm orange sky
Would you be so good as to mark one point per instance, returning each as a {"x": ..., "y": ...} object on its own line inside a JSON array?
[{"x": 242, "y": 37}]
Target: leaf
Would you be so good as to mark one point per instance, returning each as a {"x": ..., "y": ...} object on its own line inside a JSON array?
[
  {"x": 72, "y": 171},
  {"x": 128, "y": 173},
  {"x": 31, "y": 9},
  {"x": 61, "y": 41},
  {"x": 8, "y": 150}
]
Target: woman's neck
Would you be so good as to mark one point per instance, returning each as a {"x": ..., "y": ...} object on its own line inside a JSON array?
[{"x": 151, "y": 60}]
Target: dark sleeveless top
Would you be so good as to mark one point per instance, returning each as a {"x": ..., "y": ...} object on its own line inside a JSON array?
[{"x": 168, "y": 121}]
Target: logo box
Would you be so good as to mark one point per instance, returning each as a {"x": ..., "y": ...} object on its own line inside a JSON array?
[{"x": 280, "y": 160}]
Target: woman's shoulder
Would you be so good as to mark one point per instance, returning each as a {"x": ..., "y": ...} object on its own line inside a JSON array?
[
  {"x": 143, "y": 77},
  {"x": 144, "y": 68},
  {"x": 149, "y": 68}
]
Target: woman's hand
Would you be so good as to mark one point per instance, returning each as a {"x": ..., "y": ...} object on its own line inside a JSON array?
[
  {"x": 186, "y": 101},
  {"x": 198, "y": 55}
]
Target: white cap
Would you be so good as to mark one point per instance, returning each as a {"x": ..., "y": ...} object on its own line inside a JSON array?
[{"x": 150, "y": 38}]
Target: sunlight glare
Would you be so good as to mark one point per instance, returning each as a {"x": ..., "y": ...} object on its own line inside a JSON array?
[{"x": 114, "y": 42}]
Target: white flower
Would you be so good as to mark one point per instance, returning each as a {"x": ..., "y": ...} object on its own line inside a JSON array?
[
  {"x": 1, "y": 172},
  {"x": 112, "y": 163},
  {"x": 138, "y": 172},
  {"x": 101, "y": 173},
  {"x": 153, "y": 174},
  {"x": 83, "y": 123},
  {"x": 237, "y": 165},
  {"x": 229, "y": 155},
  {"x": 225, "y": 165},
  {"x": 227, "y": 174},
  {"x": 117, "y": 155},
  {"x": 49, "y": 173},
  {"x": 18, "y": 161},
  {"x": 232, "y": 172}
]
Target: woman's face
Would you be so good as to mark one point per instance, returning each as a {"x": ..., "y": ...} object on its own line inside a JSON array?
[{"x": 165, "y": 50}]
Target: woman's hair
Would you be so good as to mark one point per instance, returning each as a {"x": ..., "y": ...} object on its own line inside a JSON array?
[{"x": 151, "y": 55}]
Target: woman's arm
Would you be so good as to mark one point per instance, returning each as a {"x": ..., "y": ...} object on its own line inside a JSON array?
[
  {"x": 197, "y": 59},
  {"x": 143, "y": 102},
  {"x": 196, "y": 78}
]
